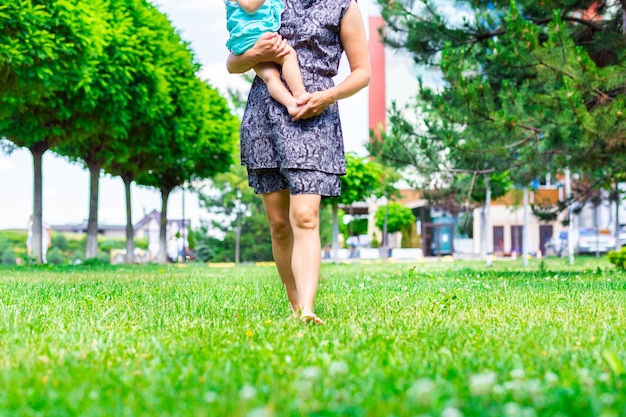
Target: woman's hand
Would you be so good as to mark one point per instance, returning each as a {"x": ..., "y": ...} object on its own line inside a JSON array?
[
  {"x": 270, "y": 47},
  {"x": 314, "y": 105}
]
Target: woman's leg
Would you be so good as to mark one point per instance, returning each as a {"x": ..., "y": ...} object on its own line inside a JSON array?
[
  {"x": 277, "y": 210},
  {"x": 306, "y": 256}
]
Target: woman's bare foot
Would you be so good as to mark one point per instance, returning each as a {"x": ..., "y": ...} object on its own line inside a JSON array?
[{"x": 310, "y": 318}]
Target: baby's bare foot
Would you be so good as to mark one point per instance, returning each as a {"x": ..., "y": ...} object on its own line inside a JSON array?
[
  {"x": 293, "y": 109},
  {"x": 298, "y": 103},
  {"x": 302, "y": 99}
]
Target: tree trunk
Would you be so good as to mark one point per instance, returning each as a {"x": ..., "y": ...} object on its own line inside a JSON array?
[
  {"x": 596, "y": 226},
  {"x": 570, "y": 217},
  {"x": 483, "y": 232},
  {"x": 237, "y": 238},
  {"x": 130, "y": 232},
  {"x": 385, "y": 239},
  {"x": 618, "y": 200},
  {"x": 335, "y": 233},
  {"x": 37, "y": 151},
  {"x": 488, "y": 236},
  {"x": 162, "y": 256},
  {"x": 525, "y": 230},
  {"x": 91, "y": 250}
]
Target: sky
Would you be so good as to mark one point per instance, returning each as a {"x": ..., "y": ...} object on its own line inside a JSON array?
[{"x": 202, "y": 23}]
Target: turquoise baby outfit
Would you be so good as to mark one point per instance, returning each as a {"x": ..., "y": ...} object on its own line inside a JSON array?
[{"x": 246, "y": 28}]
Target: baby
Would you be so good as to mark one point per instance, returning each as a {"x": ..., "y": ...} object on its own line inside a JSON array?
[{"x": 246, "y": 21}]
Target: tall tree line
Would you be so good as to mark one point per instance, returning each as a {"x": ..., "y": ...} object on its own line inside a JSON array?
[{"x": 109, "y": 84}]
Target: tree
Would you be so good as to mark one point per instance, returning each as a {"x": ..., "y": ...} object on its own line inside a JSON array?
[
  {"x": 394, "y": 217},
  {"x": 48, "y": 54},
  {"x": 131, "y": 96},
  {"x": 364, "y": 178},
  {"x": 232, "y": 199},
  {"x": 529, "y": 87},
  {"x": 163, "y": 58},
  {"x": 201, "y": 138}
]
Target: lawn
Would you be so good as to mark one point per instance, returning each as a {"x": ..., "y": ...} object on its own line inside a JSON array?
[{"x": 432, "y": 339}]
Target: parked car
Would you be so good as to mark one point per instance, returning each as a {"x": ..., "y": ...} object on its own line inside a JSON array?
[{"x": 590, "y": 241}]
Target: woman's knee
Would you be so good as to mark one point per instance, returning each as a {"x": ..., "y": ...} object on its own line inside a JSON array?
[
  {"x": 280, "y": 228},
  {"x": 305, "y": 217}
]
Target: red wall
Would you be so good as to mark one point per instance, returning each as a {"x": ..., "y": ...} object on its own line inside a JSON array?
[{"x": 377, "y": 100}]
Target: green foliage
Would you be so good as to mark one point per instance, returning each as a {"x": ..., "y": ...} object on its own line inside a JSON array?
[
  {"x": 465, "y": 225},
  {"x": 364, "y": 178},
  {"x": 326, "y": 224},
  {"x": 4, "y": 244},
  {"x": 528, "y": 88},
  {"x": 618, "y": 258},
  {"x": 8, "y": 257},
  {"x": 357, "y": 226},
  {"x": 228, "y": 197},
  {"x": 399, "y": 217},
  {"x": 410, "y": 239},
  {"x": 15, "y": 241},
  {"x": 191, "y": 238},
  {"x": 13, "y": 237},
  {"x": 59, "y": 241},
  {"x": 48, "y": 53},
  {"x": 55, "y": 257}
]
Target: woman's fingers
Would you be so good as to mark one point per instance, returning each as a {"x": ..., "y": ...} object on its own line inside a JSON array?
[
  {"x": 281, "y": 48},
  {"x": 317, "y": 102}
]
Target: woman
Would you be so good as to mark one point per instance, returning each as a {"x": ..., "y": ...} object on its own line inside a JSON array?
[{"x": 293, "y": 161}]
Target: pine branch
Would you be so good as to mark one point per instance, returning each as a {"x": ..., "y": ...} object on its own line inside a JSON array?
[{"x": 601, "y": 94}]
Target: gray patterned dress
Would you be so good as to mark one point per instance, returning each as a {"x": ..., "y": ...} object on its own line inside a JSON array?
[{"x": 269, "y": 138}]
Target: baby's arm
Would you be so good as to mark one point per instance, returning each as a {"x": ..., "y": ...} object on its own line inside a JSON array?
[{"x": 250, "y": 6}]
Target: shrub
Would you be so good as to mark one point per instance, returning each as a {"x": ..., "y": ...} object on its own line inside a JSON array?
[
  {"x": 618, "y": 257},
  {"x": 99, "y": 260},
  {"x": 55, "y": 257},
  {"x": 4, "y": 244},
  {"x": 59, "y": 241},
  {"x": 8, "y": 257}
]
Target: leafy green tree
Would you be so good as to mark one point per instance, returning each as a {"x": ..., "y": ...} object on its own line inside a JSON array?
[
  {"x": 364, "y": 179},
  {"x": 395, "y": 218},
  {"x": 528, "y": 87},
  {"x": 48, "y": 55},
  {"x": 244, "y": 224},
  {"x": 201, "y": 141},
  {"x": 130, "y": 90},
  {"x": 231, "y": 198},
  {"x": 164, "y": 58}
]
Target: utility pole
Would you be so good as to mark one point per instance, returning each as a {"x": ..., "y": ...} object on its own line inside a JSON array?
[
  {"x": 570, "y": 218},
  {"x": 489, "y": 234},
  {"x": 525, "y": 230}
]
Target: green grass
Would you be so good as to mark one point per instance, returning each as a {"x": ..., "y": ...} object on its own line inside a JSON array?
[{"x": 442, "y": 339}]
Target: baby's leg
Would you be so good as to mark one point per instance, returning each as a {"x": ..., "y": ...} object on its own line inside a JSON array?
[
  {"x": 268, "y": 72},
  {"x": 292, "y": 74}
]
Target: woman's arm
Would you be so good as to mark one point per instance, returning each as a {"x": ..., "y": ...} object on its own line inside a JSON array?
[
  {"x": 352, "y": 34},
  {"x": 269, "y": 47}
]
